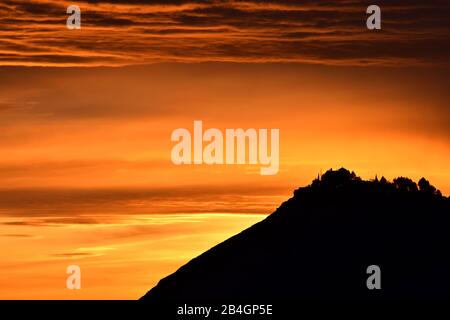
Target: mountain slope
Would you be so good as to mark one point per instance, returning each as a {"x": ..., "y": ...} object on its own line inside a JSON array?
[{"x": 319, "y": 243}]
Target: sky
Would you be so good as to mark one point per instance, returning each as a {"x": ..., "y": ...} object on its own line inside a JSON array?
[
  {"x": 86, "y": 118},
  {"x": 122, "y": 32}
]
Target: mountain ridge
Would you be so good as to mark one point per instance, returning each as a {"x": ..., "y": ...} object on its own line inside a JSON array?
[{"x": 319, "y": 243}]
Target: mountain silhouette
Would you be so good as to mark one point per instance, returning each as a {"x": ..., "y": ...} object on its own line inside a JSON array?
[{"x": 319, "y": 244}]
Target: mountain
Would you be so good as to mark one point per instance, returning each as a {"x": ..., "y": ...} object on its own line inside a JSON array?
[{"x": 319, "y": 244}]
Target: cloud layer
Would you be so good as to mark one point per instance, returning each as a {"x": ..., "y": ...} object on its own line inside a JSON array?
[
  {"x": 118, "y": 32},
  {"x": 72, "y": 204}
]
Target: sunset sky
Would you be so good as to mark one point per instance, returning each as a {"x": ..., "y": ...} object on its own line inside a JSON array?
[{"x": 86, "y": 118}]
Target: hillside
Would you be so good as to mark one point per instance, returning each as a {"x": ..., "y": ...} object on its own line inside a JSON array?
[{"x": 319, "y": 243}]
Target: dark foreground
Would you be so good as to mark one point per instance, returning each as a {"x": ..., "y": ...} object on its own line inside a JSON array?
[{"x": 320, "y": 244}]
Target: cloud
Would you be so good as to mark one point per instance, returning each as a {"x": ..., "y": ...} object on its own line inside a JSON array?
[
  {"x": 54, "y": 222},
  {"x": 72, "y": 254},
  {"x": 116, "y": 33},
  {"x": 84, "y": 252},
  {"x": 70, "y": 206},
  {"x": 15, "y": 235}
]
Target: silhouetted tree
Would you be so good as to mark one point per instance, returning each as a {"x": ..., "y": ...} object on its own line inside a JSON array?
[
  {"x": 405, "y": 184},
  {"x": 426, "y": 187},
  {"x": 338, "y": 178}
]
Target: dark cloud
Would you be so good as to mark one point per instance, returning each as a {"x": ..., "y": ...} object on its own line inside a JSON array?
[
  {"x": 134, "y": 32},
  {"x": 72, "y": 254},
  {"x": 54, "y": 222},
  {"x": 18, "y": 235}
]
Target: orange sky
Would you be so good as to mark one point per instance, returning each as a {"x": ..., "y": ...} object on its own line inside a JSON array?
[
  {"x": 120, "y": 257},
  {"x": 85, "y": 169},
  {"x": 83, "y": 148},
  {"x": 61, "y": 127}
]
